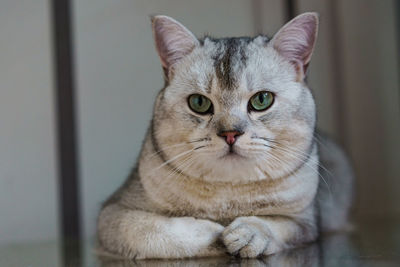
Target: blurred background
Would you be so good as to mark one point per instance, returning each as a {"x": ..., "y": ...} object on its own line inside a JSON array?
[{"x": 75, "y": 102}]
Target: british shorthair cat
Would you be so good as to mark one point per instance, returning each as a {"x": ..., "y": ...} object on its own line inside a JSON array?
[{"x": 230, "y": 163}]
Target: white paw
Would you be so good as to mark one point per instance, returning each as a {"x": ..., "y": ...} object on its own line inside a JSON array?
[
  {"x": 197, "y": 237},
  {"x": 245, "y": 239},
  {"x": 189, "y": 227}
]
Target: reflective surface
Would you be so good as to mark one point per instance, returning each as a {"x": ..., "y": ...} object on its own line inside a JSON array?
[{"x": 376, "y": 243}]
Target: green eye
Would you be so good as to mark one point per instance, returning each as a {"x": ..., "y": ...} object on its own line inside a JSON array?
[
  {"x": 200, "y": 104},
  {"x": 261, "y": 101}
]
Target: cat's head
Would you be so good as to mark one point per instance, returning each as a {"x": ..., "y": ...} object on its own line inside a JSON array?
[{"x": 234, "y": 109}]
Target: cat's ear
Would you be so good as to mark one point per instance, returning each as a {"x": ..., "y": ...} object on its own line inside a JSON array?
[
  {"x": 173, "y": 41},
  {"x": 295, "y": 41}
]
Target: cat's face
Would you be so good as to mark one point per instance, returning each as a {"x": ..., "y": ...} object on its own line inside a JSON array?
[{"x": 234, "y": 109}]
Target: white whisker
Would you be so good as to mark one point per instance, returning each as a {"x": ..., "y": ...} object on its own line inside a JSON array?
[{"x": 174, "y": 158}]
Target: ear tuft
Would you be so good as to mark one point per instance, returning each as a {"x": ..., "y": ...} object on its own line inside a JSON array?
[
  {"x": 173, "y": 41},
  {"x": 295, "y": 41}
]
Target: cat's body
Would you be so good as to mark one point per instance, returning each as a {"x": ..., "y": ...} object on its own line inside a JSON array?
[{"x": 244, "y": 176}]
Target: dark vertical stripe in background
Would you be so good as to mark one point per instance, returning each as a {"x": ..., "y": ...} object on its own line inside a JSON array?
[
  {"x": 66, "y": 132},
  {"x": 290, "y": 9},
  {"x": 336, "y": 45},
  {"x": 397, "y": 16},
  {"x": 257, "y": 16}
]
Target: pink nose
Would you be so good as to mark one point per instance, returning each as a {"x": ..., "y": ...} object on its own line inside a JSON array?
[{"x": 230, "y": 136}]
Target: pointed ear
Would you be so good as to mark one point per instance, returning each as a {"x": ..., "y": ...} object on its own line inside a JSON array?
[
  {"x": 173, "y": 41},
  {"x": 295, "y": 41}
]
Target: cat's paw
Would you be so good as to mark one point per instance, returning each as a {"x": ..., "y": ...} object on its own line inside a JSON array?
[
  {"x": 245, "y": 238},
  {"x": 198, "y": 228},
  {"x": 197, "y": 237}
]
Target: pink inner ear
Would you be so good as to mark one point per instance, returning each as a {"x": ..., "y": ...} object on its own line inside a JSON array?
[
  {"x": 295, "y": 41},
  {"x": 173, "y": 40}
]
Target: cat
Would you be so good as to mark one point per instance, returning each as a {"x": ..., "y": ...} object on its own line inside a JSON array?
[{"x": 230, "y": 163}]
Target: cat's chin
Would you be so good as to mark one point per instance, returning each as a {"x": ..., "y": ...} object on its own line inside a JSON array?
[
  {"x": 233, "y": 168},
  {"x": 233, "y": 178}
]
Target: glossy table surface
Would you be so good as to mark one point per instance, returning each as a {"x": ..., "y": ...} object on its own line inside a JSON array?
[{"x": 376, "y": 243}]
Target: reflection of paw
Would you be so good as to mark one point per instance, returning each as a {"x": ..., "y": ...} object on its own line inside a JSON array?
[{"x": 244, "y": 238}]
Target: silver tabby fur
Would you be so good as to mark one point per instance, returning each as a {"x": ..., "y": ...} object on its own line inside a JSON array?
[{"x": 189, "y": 195}]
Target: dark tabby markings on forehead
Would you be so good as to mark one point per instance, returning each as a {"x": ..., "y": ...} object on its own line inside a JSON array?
[
  {"x": 229, "y": 59},
  {"x": 210, "y": 79}
]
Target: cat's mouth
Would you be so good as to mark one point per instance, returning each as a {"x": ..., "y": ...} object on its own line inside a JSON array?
[{"x": 232, "y": 154}]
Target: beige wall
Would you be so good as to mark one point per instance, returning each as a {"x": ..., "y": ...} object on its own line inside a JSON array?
[
  {"x": 370, "y": 75},
  {"x": 28, "y": 188}
]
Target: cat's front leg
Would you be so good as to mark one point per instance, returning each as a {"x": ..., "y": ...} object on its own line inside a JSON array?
[
  {"x": 253, "y": 236},
  {"x": 145, "y": 235}
]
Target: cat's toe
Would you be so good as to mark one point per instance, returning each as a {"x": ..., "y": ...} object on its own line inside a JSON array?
[
  {"x": 237, "y": 237},
  {"x": 244, "y": 239},
  {"x": 255, "y": 247}
]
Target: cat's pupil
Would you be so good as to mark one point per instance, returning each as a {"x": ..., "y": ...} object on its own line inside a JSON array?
[
  {"x": 200, "y": 101},
  {"x": 261, "y": 98}
]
